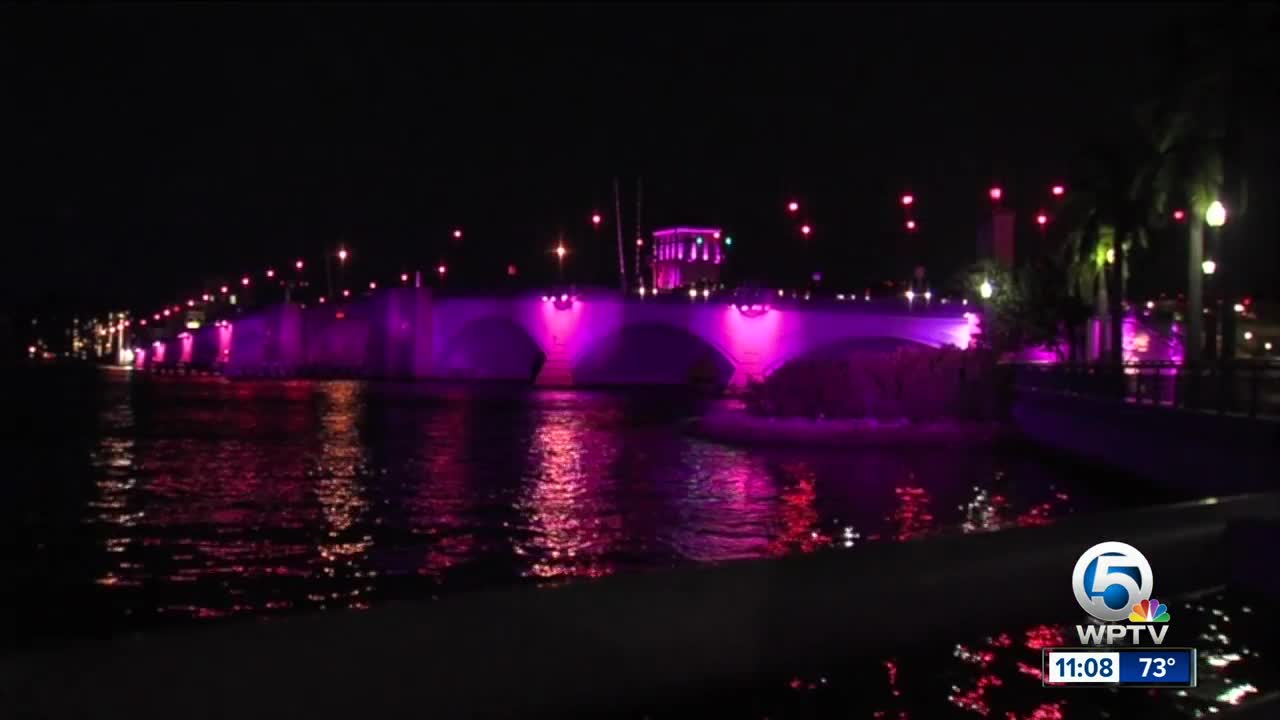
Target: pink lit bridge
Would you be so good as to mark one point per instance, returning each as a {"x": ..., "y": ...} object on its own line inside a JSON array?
[{"x": 591, "y": 337}]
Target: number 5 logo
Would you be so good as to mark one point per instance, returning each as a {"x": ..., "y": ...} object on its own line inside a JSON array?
[{"x": 1103, "y": 565}]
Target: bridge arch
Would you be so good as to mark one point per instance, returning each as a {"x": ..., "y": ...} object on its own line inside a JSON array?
[
  {"x": 653, "y": 353},
  {"x": 491, "y": 348}
]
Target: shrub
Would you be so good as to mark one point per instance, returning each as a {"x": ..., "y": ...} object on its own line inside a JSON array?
[{"x": 917, "y": 384}]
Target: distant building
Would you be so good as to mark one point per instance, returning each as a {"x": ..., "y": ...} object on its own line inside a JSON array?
[
  {"x": 995, "y": 238},
  {"x": 685, "y": 256}
]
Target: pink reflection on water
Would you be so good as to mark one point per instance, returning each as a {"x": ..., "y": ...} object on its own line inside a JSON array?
[
  {"x": 797, "y": 515},
  {"x": 912, "y": 518},
  {"x": 573, "y": 522},
  {"x": 441, "y": 499},
  {"x": 343, "y": 551},
  {"x": 725, "y": 510},
  {"x": 225, "y": 531}
]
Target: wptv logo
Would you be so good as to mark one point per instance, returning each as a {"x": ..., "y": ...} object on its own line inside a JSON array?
[{"x": 1112, "y": 582}]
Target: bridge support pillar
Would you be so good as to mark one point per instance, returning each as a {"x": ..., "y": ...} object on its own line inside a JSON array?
[
  {"x": 557, "y": 369},
  {"x": 750, "y": 366},
  {"x": 400, "y": 334}
]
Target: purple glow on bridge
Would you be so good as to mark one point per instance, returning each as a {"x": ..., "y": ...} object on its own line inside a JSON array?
[
  {"x": 224, "y": 341},
  {"x": 548, "y": 338}
]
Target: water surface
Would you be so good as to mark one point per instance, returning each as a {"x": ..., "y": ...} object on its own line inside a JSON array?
[{"x": 144, "y": 500}]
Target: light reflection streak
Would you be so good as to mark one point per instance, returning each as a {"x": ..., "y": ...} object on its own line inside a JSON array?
[
  {"x": 343, "y": 551},
  {"x": 798, "y": 520},
  {"x": 114, "y": 460},
  {"x": 912, "y": 518},
  {"x": 573, "y": 523}
]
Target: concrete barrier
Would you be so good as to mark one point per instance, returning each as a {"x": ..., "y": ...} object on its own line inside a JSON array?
[{"x": 1196, "y": 450}]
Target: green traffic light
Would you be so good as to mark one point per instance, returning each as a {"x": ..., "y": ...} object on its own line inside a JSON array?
[
  {"x": 728, "y": 241},
  {"x": 699, "y": 239}
]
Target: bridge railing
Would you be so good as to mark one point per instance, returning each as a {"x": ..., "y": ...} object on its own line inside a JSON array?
[{"x": 1244, "y": 387}]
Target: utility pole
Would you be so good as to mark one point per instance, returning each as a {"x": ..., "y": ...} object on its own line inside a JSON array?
[
  {"x": 640, "y": 249},
  {"x": 617, "y": 223}
]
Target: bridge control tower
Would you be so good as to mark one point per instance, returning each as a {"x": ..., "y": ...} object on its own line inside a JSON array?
[{"x": 684, "y": 256}]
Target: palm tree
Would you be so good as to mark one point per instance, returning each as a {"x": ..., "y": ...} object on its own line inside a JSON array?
[
  {"x": 1108, "y": 215},
  {"x": 1190, "y": 178},
  {"x": 1219, "y": 69}
]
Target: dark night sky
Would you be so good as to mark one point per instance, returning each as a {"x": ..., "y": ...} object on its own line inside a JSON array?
[{"x": 155, "y": 146}]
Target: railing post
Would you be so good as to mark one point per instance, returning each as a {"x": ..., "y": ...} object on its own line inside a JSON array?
[
  {"x": 1222, "y": 388},
  {"x": 1190, "y": 385},
  {"x": 1253, "y": 390}
]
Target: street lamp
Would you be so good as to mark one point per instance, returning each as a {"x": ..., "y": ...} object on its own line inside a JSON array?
[
  {"x": 1216, "y": 215},
  {"x": 560, "y": 251},
  {"x": 1208, "y": 267},
  {"x": 985, "y": 289},
  {"x": 793, "y": 207},
  {"x": 342, "y": 255},
  {"x": 297, "y": 265},
  {"x": 995, "y": 193},
  {"x": 805, "y": 230},
  {"x": 908, "y": 199},
  {"x": 911, "y": 225},
  {"x": 1058, "y": 190},
  {"x": 1042, "y": 219},
  {"x": 457, "y": 233},
  {"x": 596, "y": 219},
  {"x": 271, "y": 273}
]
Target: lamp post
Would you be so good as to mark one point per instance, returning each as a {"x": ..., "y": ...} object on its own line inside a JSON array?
[
  {"x": 342, "y": 266},
  {"x": 1215, "y": 216},
  {"x": 1207, "y": 345},
  {"x": 639, "y": 268}
]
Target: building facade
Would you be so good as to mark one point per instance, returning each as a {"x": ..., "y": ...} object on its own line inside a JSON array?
[{"x": 687, "y": 256}]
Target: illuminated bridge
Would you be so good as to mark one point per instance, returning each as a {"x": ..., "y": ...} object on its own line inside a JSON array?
[{"x": 595, "y": 337}]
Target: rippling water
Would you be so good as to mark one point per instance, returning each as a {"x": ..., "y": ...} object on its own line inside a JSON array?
[{"x": 145, "y": 500}]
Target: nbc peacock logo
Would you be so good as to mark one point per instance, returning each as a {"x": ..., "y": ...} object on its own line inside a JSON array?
[{"x": 1149, "y": 611}]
